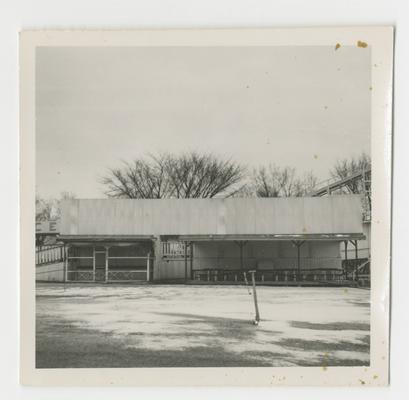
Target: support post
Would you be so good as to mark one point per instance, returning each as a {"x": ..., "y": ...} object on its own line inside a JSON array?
[
  {"x": 64, "y": 264},
  {"x": 67, "y": 263},
  {"x": 93, "y": 262},
  {"x": 185, "y": 260},
  {"x": 346, "y": 249},
  {"x": 356, "y": 259},
  {"x": 298, "y": 243},
  {"x": 106, "y": 263},
  {"x": 241, "y": 244},
  {"x": 191, "y": 260},
  {"x": 298, "y": 263},
  {"x": 148, "y": 267}
]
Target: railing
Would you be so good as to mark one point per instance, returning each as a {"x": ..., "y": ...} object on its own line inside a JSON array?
[
  {"x": 110, "y": 274},
  {"x": 49, "y": 254},
  {"x": 80, "y": 276},
  {"x": 335, "y": 183},
  {"x": 279, "y": 275},
  {"x": 125, "y": 275},
  {"x": 279, "y": 263},
  {"x": 364, "y": 280},
  {"x": 175, "y": 249},
  {"x": 355, "y": 269},
  {"x": 113, "y": 275}
]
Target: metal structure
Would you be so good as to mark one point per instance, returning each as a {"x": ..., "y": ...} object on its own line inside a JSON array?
[
  {"x": 331, "y": 185},
  {"x": 361, "y": 181}
]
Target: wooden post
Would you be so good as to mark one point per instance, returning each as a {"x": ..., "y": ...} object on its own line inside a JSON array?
[
  {"x": 93, "y": 262},
  {"x": 346, "y": 249},
  {"x": 191, "y": 260},
  {"x": 298, "y": 263},
  {"x": 241, "y": 256},
  {"x": 241, "y": 244},
  {"x": 148, "y": 267},
  {"x": 106, "y": 263},
  {"x": 64, "y": 264},
  {"x": 355, "y": 244},
  {"x": 185, "y": 251},
  {"x": 67, "y": 264},
  {"x": 253, "y": 278},
  {"x": 356, "y": 260},
  {"x": 298, "y": 243}
]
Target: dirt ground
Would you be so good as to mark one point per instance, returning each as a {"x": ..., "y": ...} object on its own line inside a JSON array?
[{"x": 107, "y": 326}]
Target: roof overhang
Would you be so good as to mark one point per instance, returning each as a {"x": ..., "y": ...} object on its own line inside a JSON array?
[
  {"x": 275, "y": 237},
  {"x": 105, "y": 238}
]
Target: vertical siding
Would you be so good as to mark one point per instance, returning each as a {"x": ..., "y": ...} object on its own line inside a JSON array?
[{"x": 331, "y": 215}]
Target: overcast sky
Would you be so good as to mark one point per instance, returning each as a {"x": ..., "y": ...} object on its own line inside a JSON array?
[{"x": 304, "y": 107}]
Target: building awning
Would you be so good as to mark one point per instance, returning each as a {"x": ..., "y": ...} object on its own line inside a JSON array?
[
  {"x": 105, "y": 238},
  {"x": 266, "y": 237}
]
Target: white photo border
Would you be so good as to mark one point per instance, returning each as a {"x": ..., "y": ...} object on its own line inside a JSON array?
[{"x": 380, "y": 40}]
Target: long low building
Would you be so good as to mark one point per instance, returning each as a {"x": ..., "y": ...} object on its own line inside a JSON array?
[{"x": 282, "y": 239}]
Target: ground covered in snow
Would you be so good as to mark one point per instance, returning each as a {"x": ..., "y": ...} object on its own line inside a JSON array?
[{"x": 107, "y": 326}]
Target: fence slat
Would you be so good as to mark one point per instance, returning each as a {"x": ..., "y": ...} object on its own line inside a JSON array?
[{"x": 49, "y": 254}]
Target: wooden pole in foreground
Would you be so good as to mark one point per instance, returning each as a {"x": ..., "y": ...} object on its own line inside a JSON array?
[{"x": 253, "y": 278}]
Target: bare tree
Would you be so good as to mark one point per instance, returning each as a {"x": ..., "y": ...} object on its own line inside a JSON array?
[
  {"x": 273, "y": 181},
  {"x": 354, "y": 166},
  {"x": 145, "y": 178},
  {"x": 188, "y": 175},
  {"x": 195, "y": 175},
  {"x": 44, "y": 209},
  {"x": 308, "y": 182}
]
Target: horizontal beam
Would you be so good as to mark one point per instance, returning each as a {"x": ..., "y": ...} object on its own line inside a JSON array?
[
  {"x": 106, "y": 238},
  {"x": 264, "y": 237}
]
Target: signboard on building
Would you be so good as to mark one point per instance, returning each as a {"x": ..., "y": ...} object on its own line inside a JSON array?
[{"x": 48, "y": 227}]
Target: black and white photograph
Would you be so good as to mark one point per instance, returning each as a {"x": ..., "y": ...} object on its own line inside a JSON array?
[{"x": 210, "y": 206}]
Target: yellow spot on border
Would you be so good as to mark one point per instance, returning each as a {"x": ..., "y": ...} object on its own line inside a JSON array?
[
  {"x": 361, "y": 44},
  {"x": 362, "y": 382},
  {"x": 337, "y": 46},
  {"x": 375, "y": 376}
]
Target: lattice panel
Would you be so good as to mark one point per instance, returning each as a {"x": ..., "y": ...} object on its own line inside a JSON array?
[
  {"x": 80, "y": 275},
  {"x": 126, "y": 275},
  {"x": 100, "y": 275}
]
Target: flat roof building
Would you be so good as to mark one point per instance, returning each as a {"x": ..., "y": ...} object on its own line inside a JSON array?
[{"x": 209, "y": 240}]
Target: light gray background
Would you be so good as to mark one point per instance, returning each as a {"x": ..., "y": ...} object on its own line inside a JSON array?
[
  {"x": 299, "y": 106},
  {"x": 131, "y": 13}
]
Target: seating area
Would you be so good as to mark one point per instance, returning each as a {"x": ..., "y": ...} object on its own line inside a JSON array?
[{"x": 271, "y": 275}]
